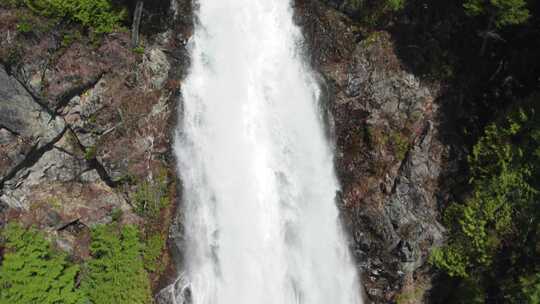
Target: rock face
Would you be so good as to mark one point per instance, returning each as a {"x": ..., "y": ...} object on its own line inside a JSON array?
[
  {"x": 388, "y": 155},
  {"x": 82, "y": 126},
  {"x": 26, "y": 127}
]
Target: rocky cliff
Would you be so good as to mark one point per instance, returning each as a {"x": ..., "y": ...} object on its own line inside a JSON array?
[
  {"x": 83, "y": 125},
  {"x": 389, "y": 156}
]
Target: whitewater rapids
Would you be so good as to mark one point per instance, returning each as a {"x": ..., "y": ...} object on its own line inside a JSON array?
[{"x": 261, "y": 222}]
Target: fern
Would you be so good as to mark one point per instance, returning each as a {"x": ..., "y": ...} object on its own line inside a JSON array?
[
  {"x": 32, "y": 272},
  {"x": 116, "y": 270}
]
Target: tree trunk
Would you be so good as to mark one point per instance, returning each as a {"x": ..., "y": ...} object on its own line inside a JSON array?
[{"x": 136, "y": 23}]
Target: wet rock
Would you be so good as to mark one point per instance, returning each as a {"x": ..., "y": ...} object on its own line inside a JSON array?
[
  {"x": 388, "y": 156},
  {"x": 179, "y": 292}
]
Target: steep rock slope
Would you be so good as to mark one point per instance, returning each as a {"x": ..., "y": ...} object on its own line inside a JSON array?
[
  {"x": 84, "y": 126},
  {"x": 388, "y": 155}
]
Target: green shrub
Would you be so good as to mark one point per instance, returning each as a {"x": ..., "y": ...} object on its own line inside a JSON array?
[
  {"x": 151, "y": 197},
  {"x": 400, "y": 144},
  {"x": 153, "y": 247},
  {"x": 496, "y": 226},
  {"x": 397, "y": 142},
  {"x": 503, "y": 12},
  {"x": 411, "y": 296},
  {"x": 33, "y": 272},
  {"x": 116, "y": 214},
  {"x": 98, "y": 15},
  {"x": 90, "y": 153},
  {"x": 531, "y": 288},
  {"x": 10, "y": 3},
  {"x": 395, "y": 5},
  {"x": 116, "y": 269},
  {"x": 24, "y": 27},
  {"x": 139, "y": 50},
  {"x": 69, "y": 37},
  {"x": 376, "y": 12},
  {"x": 451, "y": 260}
]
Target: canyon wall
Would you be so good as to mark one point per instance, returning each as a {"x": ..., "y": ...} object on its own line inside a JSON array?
[{"x": 84, "y": 125}]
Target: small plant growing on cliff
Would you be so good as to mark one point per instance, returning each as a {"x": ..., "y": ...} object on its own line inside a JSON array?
[
  {"x": 411, "y": 296},
  {"x": 33, "y": 272},
  {"x": 395, "y": 5},
  {"x": 116, "y": 214},
  {"x": 69, "y": 37},
  {"x": 90, "y": 153},
  {"x": 138, "y": 50},
  {"x": 151, "y": 197},
  {"x": 24, "y": 27},
  {"x": 400, "y": 145},
  {"x": 153, "y": 247}
]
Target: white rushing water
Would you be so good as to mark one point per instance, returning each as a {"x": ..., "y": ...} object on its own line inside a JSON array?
[{"x": 259, "y": 184}]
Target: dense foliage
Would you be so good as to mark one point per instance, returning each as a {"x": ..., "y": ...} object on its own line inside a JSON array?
[
  {"x": 150, "y": 199},
  {"x": 99, "y": 15},
  {"x": 502, "y": 12},
  {"x": 499, "y": 12},
  {"x": 33, "y": 272},
  {"x": 370, "y": 12},
  {"x": 486, "y": 52},
  {"x": 116, "y": 270},
  {"x": 493, "y": 243}
]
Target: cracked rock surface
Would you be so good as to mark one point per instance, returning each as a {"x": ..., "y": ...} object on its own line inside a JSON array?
[
  {"x": 25, "y": 126},
  {"x": 83, "y": 126}
]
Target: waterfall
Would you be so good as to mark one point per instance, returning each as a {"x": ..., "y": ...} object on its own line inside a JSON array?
[{"x": 261, "y": 223}]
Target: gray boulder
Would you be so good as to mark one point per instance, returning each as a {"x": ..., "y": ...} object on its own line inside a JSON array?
[{"x": 26, "y": 127}]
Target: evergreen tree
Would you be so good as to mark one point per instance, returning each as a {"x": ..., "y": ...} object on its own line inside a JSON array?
[
  {"x": 116, "y": 270},
  {"x": 99, "y": 15},
  {"x": 500, "y": 12},
  {"x": 33, "y": 273},
  {"x": 494, "y": 234}
]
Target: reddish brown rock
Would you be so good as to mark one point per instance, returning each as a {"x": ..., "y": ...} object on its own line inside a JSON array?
[{"x": 388, "y": 157}]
